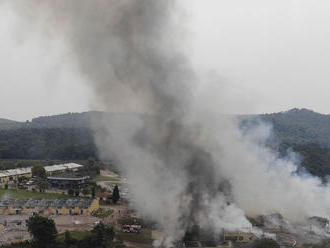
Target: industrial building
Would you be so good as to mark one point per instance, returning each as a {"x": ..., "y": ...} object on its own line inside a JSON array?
[
  {"x": 49, "y": 206},
  {"x": 68, "y": 181},
  {"x": 13, "y": 174}
]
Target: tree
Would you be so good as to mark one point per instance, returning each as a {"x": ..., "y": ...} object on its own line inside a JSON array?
[
  {"x": 103, "y": 235},
  {"x": 70, "y": 192},
  {"x": 42, "y": 184},
  {"x": 93, "y": 192},
  {"x": 77, "y": 192},
  {"x": 68, "y": 240},
  {"x": 43, "y": 231},
  {"x": 85, "y": 191},
  {"x": 265, "y": 243},
  {"x": 39, "y": 171},
  {"x": 115, "y": 194}
]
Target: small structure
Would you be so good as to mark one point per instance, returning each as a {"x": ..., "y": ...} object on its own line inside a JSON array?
[
  {"x": 238, "y": 237},
  {"x": 49, "y": 206},
  {"x": 68, "y": 181},
  {"x": 319, "y": 223},
  {"x": 104, "y": 196},
  {"x": 132, "y": 228}
]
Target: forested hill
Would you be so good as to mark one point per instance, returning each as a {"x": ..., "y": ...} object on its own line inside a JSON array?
[
  {"x": 303, "y": 131},
  {"x": 69, "y": 120},
  {"x": 58, "y": 137},
  {"x": 7, "y": 124},
  {"x": 300, "y": 126}
]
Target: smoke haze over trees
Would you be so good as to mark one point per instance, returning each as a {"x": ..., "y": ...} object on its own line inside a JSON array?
[{"x": 70, "y": 136}]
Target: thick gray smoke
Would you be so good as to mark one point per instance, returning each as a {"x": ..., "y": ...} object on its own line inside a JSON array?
[
  {"x": 185, "y": 166},
  {"x": 131, "y": 52}
]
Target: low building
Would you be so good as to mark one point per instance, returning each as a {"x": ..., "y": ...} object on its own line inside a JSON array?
[
  {"x": 13, "y": 174},
  {"x": 49, "y": 206},
  {"x": 238, "y": 237},
  {"x": 68, "y": 181},
  {"x": 104, "y": 196}
]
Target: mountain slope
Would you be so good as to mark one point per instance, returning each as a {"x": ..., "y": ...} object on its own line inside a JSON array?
[
  {"x": 300, "y": 126},
  {"x": 8, "y": 124},
  {"x": 303, "y": 131}
]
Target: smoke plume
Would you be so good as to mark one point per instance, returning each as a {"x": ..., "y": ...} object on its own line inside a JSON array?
[{"x": 185, "y": 166}]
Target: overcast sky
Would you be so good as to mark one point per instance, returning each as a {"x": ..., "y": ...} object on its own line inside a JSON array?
[{"x": 259, "y": 55}]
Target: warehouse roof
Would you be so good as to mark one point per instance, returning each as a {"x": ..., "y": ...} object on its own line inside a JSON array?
[{"x": 51, "y": 168}]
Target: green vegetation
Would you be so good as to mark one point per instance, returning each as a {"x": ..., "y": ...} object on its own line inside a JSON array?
[
  {"x": 39, "y": 171},
  {"x": 78, "y": 235},
  {"x": 43, "y": 231},
  {"x": 24, "y": 194},
  {"x": 115, "y": 195},
  {"x": 6, "y": 164},
  {"x": 69, "y": 138},
  {"x": 104, "y": 178},
  {"x": 300, "y": 130},
  {"x": 143, "y": 237},
  {"x": 102, "y": 213},
  {"x": 265, "y": 243},
  {"x": 47, "y": 143}
]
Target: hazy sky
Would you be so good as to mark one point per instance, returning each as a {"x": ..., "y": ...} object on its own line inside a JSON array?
[{"x": 259, "y": 55}]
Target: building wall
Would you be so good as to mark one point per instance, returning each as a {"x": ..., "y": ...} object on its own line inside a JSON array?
[
  {"x": 94, "y": 206},
  {"x": 4, "y": 179}
]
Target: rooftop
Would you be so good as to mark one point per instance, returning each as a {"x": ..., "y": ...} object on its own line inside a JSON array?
[
  {"x": 68, "y": 176},
  {"x": 51, "y": 168}
]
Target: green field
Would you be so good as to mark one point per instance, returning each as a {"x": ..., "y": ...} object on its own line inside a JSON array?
[
  {"x": 102, "y": 213},
  {"x": 78, "y": 235},
  {"x": 24, "y": 194},
  {"x": 104, "y": 178},
  {"x": 142, "y": 237}
]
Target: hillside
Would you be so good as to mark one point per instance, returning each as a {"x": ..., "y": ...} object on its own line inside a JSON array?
[
  {"x": 69, "y": 120},
  {"x": 300, "y": 126},
  {"x": 303, "y": 131},
  {"x": 8, "y": 124},
  {"x": 59, "y": 137},
  {"x": 70, "y": 136}
]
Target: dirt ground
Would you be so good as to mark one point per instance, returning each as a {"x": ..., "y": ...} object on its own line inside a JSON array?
[
  {"x": 108, "y": 173},
  {"x": 13, "y": 227},
  {"x": 75, "y": 222}
]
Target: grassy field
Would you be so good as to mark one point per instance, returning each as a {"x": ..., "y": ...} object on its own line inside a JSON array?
[
  {"x": 104, "y": 178},
  {"x": 142, "y": 237},
  {"x": 102, "y": 213},
  {"x": 24, "y": 194},
  {"x": 78, "y": 235}
]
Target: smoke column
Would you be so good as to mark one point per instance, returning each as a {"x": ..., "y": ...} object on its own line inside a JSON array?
[{"x": 185, "y": 166}]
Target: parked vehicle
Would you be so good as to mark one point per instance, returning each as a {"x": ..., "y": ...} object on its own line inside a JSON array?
[{"x": 131, "y": 228}]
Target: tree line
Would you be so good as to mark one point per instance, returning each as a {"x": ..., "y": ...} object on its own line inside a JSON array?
[{"x": 47, "y": 143}]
